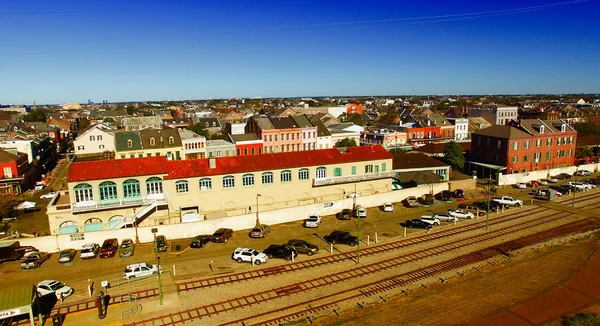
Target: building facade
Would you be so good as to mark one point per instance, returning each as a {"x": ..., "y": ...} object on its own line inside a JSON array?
[{"x": 94, "y": 141}]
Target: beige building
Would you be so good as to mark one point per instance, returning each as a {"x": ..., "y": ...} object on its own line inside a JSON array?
[
  {"x": 141, "y": 123},
  {"x": 111, "y": 194},
  {"x": 149, "y": 142},
  {"x": 94, "y": 141}
]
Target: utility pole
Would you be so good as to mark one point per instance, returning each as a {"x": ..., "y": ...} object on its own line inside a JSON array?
[
  {"x": 257, "y": 220},
  {"x": 357, "y": 225},
  {"x": 487, "y": 220},
  {"x": 154, "y": 230}
]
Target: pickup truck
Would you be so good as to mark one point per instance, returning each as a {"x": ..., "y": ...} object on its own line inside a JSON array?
[
  {"x": 312, "y": 221},
  {"x": 508, "y": 201}
]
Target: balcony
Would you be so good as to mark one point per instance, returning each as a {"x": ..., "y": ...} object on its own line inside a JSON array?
[
  {"x": 352, "y": 179},
  {"x": 94, "y": 206}
]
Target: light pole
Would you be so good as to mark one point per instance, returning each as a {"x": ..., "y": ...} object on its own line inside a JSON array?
[
  {"x": 257, "y": 220},
  {"x": 487, "y": 220},
  {"x": 357, "y": 225},
  {"x": 154, "y": 230},
  {"x": 574, "y": 188}
]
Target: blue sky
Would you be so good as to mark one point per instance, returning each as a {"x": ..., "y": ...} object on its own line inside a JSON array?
[{"x": 61, "y": 51}]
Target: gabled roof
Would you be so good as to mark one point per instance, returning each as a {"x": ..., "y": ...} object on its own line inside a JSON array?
[
  {"x": 284, "y": 123},
  {"x": 302, "y": 121},
  {"x": 149, "y": 120},
  {"x": 243, "y": 137},
  {"x": 505, "y": 132},
  {"x": 122, "y": 140},
  {"x": 210, "y": 122},
  {"x": 8, "y": 157},
  {"x": 414, "y": 161},
  {"x": 322, "y": 130},
  {"x": 111, "y": 169},
  {"x": 161, "y": 138}
]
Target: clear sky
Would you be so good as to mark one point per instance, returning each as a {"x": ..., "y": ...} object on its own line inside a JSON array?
[{"x": 62, "y": 51}]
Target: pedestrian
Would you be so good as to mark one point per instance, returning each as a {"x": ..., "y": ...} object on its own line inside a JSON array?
[
  {"x": 34, "y": 233},
  {"x": 61, "y": 296}
]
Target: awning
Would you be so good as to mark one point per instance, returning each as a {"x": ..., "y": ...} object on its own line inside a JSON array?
[{"x": 489, "y": 166}]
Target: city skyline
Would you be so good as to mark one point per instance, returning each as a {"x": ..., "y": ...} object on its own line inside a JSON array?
[{"x": 137, "y": 51}]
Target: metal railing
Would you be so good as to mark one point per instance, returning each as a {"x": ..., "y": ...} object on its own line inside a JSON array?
[
  {"x": 128, "y": 313},
  {"x": 120, "y": 204},
  {"x": 353, "y": 178}
]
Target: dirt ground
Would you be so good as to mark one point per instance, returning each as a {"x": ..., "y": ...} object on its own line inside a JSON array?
[{"x": 477, "y": 294}]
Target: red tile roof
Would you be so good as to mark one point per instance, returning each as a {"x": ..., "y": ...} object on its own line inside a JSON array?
[
  {"x": 111, "y": 169},
  {"x": 275, "y": 161}
]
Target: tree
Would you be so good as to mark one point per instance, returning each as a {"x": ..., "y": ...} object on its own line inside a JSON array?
[
  {"x": 583, "y": 152},
  {"x": 356, "y": 119},
  {"x": 108, "y": 119},
  {"x": 36, "y": 115},
  {"x": 200, "y": 130},
  {"x": 453, "y": 155},
  {"x": 389, "y": 116},
  {"x": 346, "y": 142}
]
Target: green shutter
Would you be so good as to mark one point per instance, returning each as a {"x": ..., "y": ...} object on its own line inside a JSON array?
[
  {"x": 354, "y": 170},
  {"x": 383, "y": 167}
]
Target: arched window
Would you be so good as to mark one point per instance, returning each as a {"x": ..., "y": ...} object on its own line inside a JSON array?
[
  {"x": 129, "y": 143},
  {"x": 248, "y": 179},
  {"x": 154, "y": 186},
  {"x": 171, "y": 140},
  {"x": 131, "y": 190},
  {"x": 93, "y": 220},
  {"x": 321, "y": 173},
  {"x": 83, "y": 193},
  {"x": 152, "y": 141},
  {"x": 205, "y": 184},
  {"x": 108, "y": 192},
  {"x": 267, "y": 177},
  {"x": 286, "y": 176},
  {"x": 181, "y": 186},
  {"x": 228, "y": 182},
  {"x": 68, "y": 227},
  {"x": 303, "y": 174}
]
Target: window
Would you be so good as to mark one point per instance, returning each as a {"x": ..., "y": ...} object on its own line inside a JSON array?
[
  {"x": 154, "y": 186},
  {"x": 570, "y": 152},
  {"x": 488, "y": 142},
  {"x": 321, "y": 173},
  {"x": 558, "y": 141},
  {"x": 205, "y": 184},
  {"x": 181, "y": 186},
  {"x": 92, "y": 138},
  {"x": 129, "y": 143},
  {"x": 292, "y": 136},
  {"x": 108, "y": 192},
  {"x": 314, "y": 134},
  {"x": 515, "y": 145},
  {"x": 497, "y": 157},
  {"x": 83, "y": 193},
  {"x": 303, "y": 174},
  {"x": 275, "y": 137},
  {"x": 337, "y": 172},
  {"x": 286, "y": 176},
  {"x": 171, "y": 140},
  {"x": 549, "y": 142},
  {"x": 525, "y": 158},
  {"x": 228, "y": 182},
  {"x": 152, "y": 141},
  {"x": 571, "y": 140},
  {"x": 538, "y": 143},
  {"x": 245, "y": 151},
  {"x": 252, "y": 150},
  {"x": 141, "y": 155},
  {"x": 514, "y": 159},
  {"x": 548, "y": 156},
  {"x": 131, "y": 189},
  {"x": 479, "y": 141},
  {"x": 526, "y": 144},
  {"x": 498, "y": 143},
  {"x": 100, "y": 146},
  {"x": 267, "y": 177},
  {"x": 383, "y": 167},
  {"x": 248, "y": 180},
  {"x": 80, "y": 148},
  {"x": 369, "y": 168},
  {"x": 99, "y": 137},
  {"x": 238, "y": 152}
]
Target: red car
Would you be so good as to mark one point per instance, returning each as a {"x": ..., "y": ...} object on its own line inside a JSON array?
[{"x": 109, "y": 248}]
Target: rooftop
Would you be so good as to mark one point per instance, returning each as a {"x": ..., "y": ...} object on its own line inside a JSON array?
[{"x": 415, "y": 161}]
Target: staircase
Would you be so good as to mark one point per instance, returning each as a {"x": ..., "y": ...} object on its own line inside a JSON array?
[{"x": 146, "y": 210}]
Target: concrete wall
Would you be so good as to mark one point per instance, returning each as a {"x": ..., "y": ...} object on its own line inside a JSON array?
[
  {"x": 513, "y": 178},
  {"x": 467, "y": 184},
  {"x": 55, "y": 243}
]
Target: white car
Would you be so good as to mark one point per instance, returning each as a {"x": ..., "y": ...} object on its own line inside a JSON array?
[
  {"x": 430, "y": 219},
  {"x": 353, "y": 195},
  {"x": 445, "y": 217},
  {"x": 543, "y": 182},
  {"x": 577, "y": 185},
  {"x": 388, "y": 207},
  {"x": 461, "y": 213},
  {"x": 248, "y": 254},
  {"x": 312, "y": 221},
  {"x": 552, "y": 180},
  {"x": 583, "y": 173},
  {"x": 521, "y": 185},
  {"x": 55, "y": 287},
  {"x": 49, "y": 195},
  {"x": 140, "y": 270},
  {"x": 89, "y": 250},
  {"x": 361, "y": 213}
]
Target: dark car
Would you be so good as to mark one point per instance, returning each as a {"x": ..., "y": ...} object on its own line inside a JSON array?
[
  {"x": 34, "y": 259},
  {"x": 280, "y": 251},
  {"x": 428, "y": 200},
  {"x": 342, "y": 237},
  {"x": 222, "y": 235},
  {"x": 459, "y": 193},
  {"x": 161, "y": 243},
  {"x": 303, "y": 247},
  {"x": 345, "y": 214},
  {"x": 66, "y": 255},
  {"x": 563, "y": 176},
  {"x": 109, "y": 248},
  {"x": 417, "y": 223},
  {"x": 483, "y": 205},
  {"x": 127, "y": 248},
  {"x": 259, "y": 231},
  {"x": 200, "y": 241}
]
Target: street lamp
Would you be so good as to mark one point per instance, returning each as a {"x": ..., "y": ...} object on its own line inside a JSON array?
[
  {"x": 357, "y": 225},
  {"x": 154, "y": 231},
  {"x": 257, "y": 220}
]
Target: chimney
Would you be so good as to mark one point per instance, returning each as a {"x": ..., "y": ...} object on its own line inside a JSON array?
[{"x": 212, "y": 163}]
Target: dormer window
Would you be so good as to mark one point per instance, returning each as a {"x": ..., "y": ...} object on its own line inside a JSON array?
[
  {"x": 171, "y": 140},
  {"x": 92, "y": 138},
  {"x": 563, "y": 127},
  {"x": 129, "y": 143},
  {"x": 152, "y": 141},
  {"x": 541, "y": 129}
]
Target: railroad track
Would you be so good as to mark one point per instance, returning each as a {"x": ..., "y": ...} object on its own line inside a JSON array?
[
  {"x": 360, "y": 271},
  {"x": 307, "y": 308},
  {"x": 340, "y": 257}
]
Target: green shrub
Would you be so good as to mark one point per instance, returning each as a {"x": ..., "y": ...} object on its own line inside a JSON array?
[{"x": 582, "y": 319}]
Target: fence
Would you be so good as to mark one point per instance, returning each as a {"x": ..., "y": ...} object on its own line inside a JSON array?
[
  {"x": 511, "y": 179},
  {"x": 128, "y": 313}
]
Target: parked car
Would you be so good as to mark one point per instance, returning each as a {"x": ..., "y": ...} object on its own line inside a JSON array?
[
  {"x": 89, "y": 250},
  {"x": 222, "y": 235},
  {"x": 34, "y": 259},
  {"x": 388, "y": 207},
  {"x": 577, "y": 185},
  {"x": 303, "y": 247},
  {"x": 39, "y": 185},
  {"x": 417, "y": 223},
  {"x": 160, "y": 244},
  {"x": 353, "y": 195},
  {"x": 345, "y": 214},
  {"x": 552, "y": 179},
  {"x": 126, "y": 249},
  {"x": 342, "y": 237},
  {"x": 200, "y": 241},
  {"x": 60, "y": 290},
  {"x": 521, "y": 185},
  {"x": 109, "y": 248},
  {"x": 66, "y": 255},
  {"x": 412, "y": 201},
  {"x": 461, "y": 213},
  {"x": 428, "y": 200},
  {"x": 280, "y": 251},
  {"x": 459, "y": 193},
  {"x": 543, "y": 182},
  {"x": 260, "y": 231},
  {"x": 446, "y": 195},
  {"x": 446, "y": 217},
  {"x": 582, "y": 173},
  {"x": 484, "y": 207},
  {"x": 430, "y": 219},
  {"x": 533, "y": 184},
  {"x": 49, "y": 195},
  {"x": 140, "y": 270},
  {"x": 361, "y": 212},
  {"x": 249, "y": 254},
  {"x": 313, "y": 221},
  {"x": 563, "y": 176}
]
